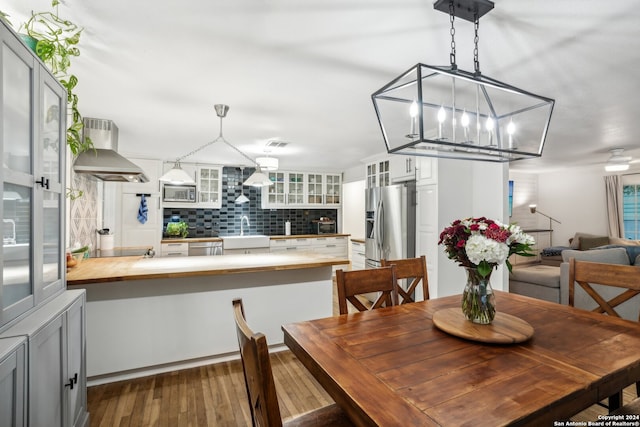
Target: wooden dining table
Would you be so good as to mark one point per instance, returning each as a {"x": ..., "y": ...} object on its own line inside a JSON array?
[{"x": 394, "y": 367}]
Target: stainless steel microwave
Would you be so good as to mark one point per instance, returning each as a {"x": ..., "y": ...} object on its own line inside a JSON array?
[
  {"x": 179, "y": 193},
  {"x": 323, "y": 227}
]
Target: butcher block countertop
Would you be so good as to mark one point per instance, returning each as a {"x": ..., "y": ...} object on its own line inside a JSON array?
[{"x": 116, "y": 269}]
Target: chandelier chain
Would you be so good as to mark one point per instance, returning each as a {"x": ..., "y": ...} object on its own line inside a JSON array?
[
  {"x": 452, "y": 55},
  {"x": 476, "y": 61}
]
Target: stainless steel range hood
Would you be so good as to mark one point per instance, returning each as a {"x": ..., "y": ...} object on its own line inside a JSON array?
[{"x": 105, "y": 163}]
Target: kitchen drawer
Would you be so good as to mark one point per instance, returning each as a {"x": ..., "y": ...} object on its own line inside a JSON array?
[
  {"x": 332, "y": 240},
  {"x": 175, "y": 249},
  {"x": 357, "y": 256},
  {"x": 301, "y": 243}
]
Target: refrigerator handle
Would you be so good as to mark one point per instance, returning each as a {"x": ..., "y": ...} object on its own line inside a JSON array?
[{"x": 380, "y": 221}]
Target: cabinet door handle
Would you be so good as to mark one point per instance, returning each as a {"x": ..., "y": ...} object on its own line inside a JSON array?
[
  {"x": 44, "y": 182},
  {"x": 72, "y": 381}
]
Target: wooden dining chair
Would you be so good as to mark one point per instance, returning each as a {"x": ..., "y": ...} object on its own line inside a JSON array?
[
  {"x": 352, "y": 285},
  {"x": 625, "y": 277},
  {"x": 261, "y": 389},
  {"x": 414, "y": 271}
]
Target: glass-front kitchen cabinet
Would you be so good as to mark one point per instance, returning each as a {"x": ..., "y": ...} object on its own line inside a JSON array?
[
  {"x": 302, "y": 189},
  {"x": 33, "y": 143},
  {"x": 210, "y": 186}
]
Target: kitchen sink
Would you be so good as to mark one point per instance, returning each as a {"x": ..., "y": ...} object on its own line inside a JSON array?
[{"x": 245, "y": 242}]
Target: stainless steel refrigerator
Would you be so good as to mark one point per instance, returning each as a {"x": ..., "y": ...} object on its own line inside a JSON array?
[{"x": 390, "y": 215}]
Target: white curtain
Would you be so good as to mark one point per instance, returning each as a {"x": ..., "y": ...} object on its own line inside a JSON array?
[{"x": 613, "y": 185}]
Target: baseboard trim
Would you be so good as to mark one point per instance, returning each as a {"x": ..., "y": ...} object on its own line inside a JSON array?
[{"x": 169, "y": 367}]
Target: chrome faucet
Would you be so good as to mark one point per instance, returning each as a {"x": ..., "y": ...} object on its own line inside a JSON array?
[{"x": 242, "y": 220}]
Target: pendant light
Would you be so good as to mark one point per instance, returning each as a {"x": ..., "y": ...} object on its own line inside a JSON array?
[
  {"x": 443, "y": 111},
  {"x": 176, "y": 173},
  {"x": 241, "y": 198}
]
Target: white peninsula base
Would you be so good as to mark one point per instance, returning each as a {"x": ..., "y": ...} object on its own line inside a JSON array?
[{"x": 141, "y": 327}]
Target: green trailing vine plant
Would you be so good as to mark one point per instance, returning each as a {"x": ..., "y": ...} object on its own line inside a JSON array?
[{"x": 55, "y": 41}]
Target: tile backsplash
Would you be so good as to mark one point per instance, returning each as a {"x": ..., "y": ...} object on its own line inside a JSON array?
[{"x": 226, "y": 221}]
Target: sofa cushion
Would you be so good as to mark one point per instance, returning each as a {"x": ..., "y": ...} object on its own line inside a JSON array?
[
  {"x": 637, "y": 261},
  {"x": 593, "y": 242},
  {"x": 539, "y": 274},
  {"x": 575, "y": 242},
  {"x": 608, "y": 256},
  {"x": 632, "y": 251}
]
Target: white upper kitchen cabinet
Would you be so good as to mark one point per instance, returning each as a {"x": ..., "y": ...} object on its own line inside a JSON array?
[
  {"x": 209, "y": 187},
  {"x": 302, "y": 189},
  {"x": 378, "y": 173},
  {"x": 390, "y": 169},
  {"x": 402, "y": 168}
]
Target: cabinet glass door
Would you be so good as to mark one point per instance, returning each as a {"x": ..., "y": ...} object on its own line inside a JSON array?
[
  {"x": 276, "y": 193},
  {"x": 295, "y": 189},
  {"x": 17, "y": 93},
  {"x": 314, "y": 189},
  {"x": 52, "y": 140},
  {"x": 209, "y": 185},
  {"x": 17, "y": 280},
  {"x": 332, "y": 197}
]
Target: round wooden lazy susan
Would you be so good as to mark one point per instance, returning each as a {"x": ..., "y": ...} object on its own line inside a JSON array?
[{"x": 505, "y": 329}]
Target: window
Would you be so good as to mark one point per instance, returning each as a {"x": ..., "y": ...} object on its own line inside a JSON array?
[{"x": 631, "y": 211}]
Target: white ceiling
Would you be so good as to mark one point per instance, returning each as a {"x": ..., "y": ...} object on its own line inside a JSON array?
[{"x": 303, "y": 72}]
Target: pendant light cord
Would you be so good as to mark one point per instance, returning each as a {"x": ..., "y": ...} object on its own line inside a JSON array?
[{"x": 476, "y": 38}]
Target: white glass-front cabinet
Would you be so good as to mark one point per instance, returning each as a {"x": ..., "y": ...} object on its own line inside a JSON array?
[
  {"x": 209, "y": 187},
  {"x": 378, "y": 174},
  {"x": 291, "y": 189},
  {"x": 33, "y": 142},
  {"x": 333, "y": 189}
]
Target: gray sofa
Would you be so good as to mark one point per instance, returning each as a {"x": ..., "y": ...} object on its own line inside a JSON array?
[{"x": 536, "y": 280}]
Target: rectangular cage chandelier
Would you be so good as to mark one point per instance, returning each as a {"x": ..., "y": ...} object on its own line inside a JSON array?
[{"x": 442, "y": 111}]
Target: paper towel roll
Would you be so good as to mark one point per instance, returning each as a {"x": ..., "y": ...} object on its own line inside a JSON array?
[{"x": 287, "y": 228}]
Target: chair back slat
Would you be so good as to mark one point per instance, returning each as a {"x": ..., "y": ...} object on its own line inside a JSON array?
[
  {"x": 256, "y": 365},
  {"x": 413, "y": 270},
  {"x": 586, "y": 273},
  {"x": 359, "y": 282}
]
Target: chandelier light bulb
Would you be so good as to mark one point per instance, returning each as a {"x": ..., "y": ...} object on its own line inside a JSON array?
[
  {"x": 489, "y": 124},
  {"x": 413, "y": 110},
  {"x": 464, "y": 120},
  {"x": 442, "y": 115},
  {"x": 511, "y": 128}
]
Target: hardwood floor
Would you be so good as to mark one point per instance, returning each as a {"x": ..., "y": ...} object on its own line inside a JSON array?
[
  {"x": 215, "y": 395},
  {"x": 212, "y": 395}
]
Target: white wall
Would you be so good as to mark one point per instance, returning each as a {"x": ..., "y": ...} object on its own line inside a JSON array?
[{"x": 575, "y": 197}]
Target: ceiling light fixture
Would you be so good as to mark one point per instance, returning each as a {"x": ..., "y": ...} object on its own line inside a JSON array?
[
  {"x": 617, "y": 162},
  {"x": 177, "y": 173},
  {"x": 442, "y": 111},
  {"x": 267, "y": 163}
]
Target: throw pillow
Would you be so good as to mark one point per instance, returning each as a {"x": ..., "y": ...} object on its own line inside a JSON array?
[
  {"x": 575, "y": 242},
  {"x": 623, "y": 241},
  {"x": 593, "y": 242}
]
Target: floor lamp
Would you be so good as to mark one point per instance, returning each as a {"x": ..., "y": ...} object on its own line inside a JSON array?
[{"x": 533, "y": 210}]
